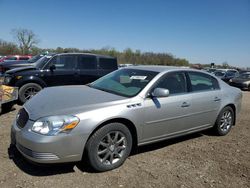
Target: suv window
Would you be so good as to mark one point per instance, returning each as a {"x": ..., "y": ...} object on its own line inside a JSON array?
[
  {"x": 63, "y": 62},
  {"x": 86, "y": 62},
  {"x": 174, "y": 82},
  {"x": 201, "y": 82},
  {"x": 107, "y": 63}
]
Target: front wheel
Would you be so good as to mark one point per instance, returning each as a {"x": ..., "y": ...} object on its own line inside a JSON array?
[
  {"x": 27, "y": 91},
  {"x": 109, "y": 147},
  {"x": 224, "y": 121}
]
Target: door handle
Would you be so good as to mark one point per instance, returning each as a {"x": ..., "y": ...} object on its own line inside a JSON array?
[
  {"x": 185, "y": 104},
  {"x": 216, "y": 99}
]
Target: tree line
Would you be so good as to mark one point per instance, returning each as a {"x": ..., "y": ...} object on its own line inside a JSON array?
[
  {"x": 128, "y": 56},
  {"x": 26, "y": 41}
]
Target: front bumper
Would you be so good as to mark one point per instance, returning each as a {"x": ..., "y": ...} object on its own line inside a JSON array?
[{"x": 47, "y": 149}]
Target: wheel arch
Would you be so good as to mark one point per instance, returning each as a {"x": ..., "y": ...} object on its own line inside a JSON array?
[
  {"x": 129, "y": 124},
  {"x": 31, "y": 80},
  {"x": 234, "y": 111}
]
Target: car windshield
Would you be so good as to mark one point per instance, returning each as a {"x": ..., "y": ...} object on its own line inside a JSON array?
[
  {"x": 219, "y": 73},
  {"x": 34, "y": 58},
  {"x": 42, "y": 61},
  {"x": 124, "y": 82},
  {"x": 245, "y": 75}
]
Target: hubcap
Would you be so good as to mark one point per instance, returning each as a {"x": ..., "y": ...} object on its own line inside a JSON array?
[
  {"x": 112, "y": 148},
  {"x": 226, "y": 121},
  {"x": 30, "y": 92}
]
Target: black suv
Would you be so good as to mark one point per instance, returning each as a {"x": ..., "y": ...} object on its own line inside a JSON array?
[{"x": 61, "y": 69}]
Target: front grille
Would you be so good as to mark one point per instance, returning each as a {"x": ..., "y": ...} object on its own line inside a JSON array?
[
  {"x": 22, "y": 118},
  {"x": 36, "y": 155}
]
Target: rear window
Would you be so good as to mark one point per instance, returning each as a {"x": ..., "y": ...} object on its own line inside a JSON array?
[
  {"x": 200, "y": 82},
  {"x": 108, "y": 63},
  {"x": 23, "y": 58}
]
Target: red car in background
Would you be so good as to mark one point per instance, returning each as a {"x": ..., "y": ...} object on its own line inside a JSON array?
[{"x": 16, "y": 58}]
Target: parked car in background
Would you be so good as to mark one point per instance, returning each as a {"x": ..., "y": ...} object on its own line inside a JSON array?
[
  {"x": 8, "y": 65},
  {"x": 133, "y": 106},
  {"x": 242, "y": 82},
  {"x": 125, "y": 65},
  {"x": 16, "y": 58},
  {"x": 226, "y": 74},
  {"x": 61, "y": 69}
]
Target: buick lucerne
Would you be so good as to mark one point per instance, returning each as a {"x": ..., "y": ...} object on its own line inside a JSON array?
[{"x": 129, "y": 107}]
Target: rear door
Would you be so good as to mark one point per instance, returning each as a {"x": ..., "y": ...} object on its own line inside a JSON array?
[
  {"x": 87, "y": 69},
  {"x": 205, "y": 97},
  {"x": 64, "y": 73}
]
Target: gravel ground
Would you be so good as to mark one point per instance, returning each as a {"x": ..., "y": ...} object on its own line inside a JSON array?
[{"x": 197, "y": 160}]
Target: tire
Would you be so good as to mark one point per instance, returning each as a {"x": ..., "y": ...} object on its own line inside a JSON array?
[
  {"x": 224, "y": 121},
  {"x": 109, "y": 147},
  {"x": 27, "y": 91}
]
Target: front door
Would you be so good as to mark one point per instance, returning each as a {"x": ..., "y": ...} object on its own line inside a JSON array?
[
  {"x": 167, "y": 116},
  {"x": 64, "y": 73}
]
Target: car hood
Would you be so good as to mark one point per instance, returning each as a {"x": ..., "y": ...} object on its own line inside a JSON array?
[
  {"x": 69, "y": 100},
  {"x": 240, "y": 80},
  {"x": 15, "y": 70}
]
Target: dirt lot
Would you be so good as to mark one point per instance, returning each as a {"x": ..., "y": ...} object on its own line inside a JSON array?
[{"x": 198, "y": 160}]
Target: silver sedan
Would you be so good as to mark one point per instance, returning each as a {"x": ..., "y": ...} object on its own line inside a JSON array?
[{"x": 130, "y": 107}]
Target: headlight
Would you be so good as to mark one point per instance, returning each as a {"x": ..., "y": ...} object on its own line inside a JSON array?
[
  {"x": 53, "y": 125},
  {"x": 7, "y": 80},
  {"x": 230, "y": 80}
]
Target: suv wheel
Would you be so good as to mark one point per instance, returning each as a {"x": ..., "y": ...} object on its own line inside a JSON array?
[
  {"x": 109, "y": 147},
  {"x": 27, "y": 91}
]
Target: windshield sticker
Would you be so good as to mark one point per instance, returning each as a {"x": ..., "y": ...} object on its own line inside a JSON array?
[{"x": 138, "y": 77}]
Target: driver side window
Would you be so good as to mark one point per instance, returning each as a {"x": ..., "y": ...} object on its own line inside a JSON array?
[
  {"x": 63, "y": 62},
  {"x": 175, "y": 82}
]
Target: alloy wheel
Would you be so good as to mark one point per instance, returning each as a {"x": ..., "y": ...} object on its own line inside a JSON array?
[
  {"x": 112, "y": 148},
  {"x": 226, "y": 121}
]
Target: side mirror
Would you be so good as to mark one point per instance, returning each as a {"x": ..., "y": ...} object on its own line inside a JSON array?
[
  {"x": 52, "y": 68},
  {"x": 160, "y": 92}
]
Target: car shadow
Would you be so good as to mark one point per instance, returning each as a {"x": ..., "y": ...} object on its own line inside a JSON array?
[
  {"x": 4, "y": 111},
  {"x": 35, "y": 169},
  {"x": 164, "y": 143},
  {"x": 38, "y": 169}
]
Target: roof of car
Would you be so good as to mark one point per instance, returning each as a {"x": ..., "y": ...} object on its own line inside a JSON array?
[
  {"x": 157, "y": 68},
  {"x": 98, "y": 55}
]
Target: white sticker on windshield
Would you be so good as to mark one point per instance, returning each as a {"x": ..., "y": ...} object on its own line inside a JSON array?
[{"x": 138, "y": 77}]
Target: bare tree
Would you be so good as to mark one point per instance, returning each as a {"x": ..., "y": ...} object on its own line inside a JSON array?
[{"x": 26, "y": 39}]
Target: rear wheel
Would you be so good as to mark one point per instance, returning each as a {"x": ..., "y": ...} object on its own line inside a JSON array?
[
  {"x": 109, "y": 147},
  {"x": 27, "y": 91},
  {"x": 224, "y": 121}
]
